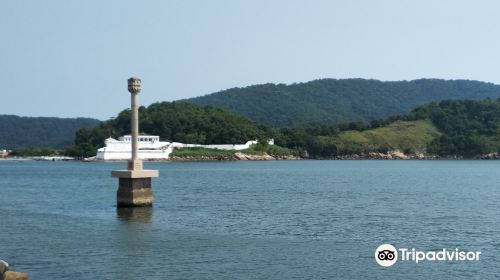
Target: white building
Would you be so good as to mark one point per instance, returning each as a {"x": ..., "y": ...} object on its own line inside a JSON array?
[
  {"x": 4, "y": 153},
  {"x": 150, "y": 147}
]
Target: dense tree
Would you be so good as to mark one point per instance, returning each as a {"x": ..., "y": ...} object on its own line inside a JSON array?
[
  {"x": 22, "y": 132},
  {"x": 33, "y": 151},
  {"x": 331, "y": 101},
  {"x": 469, "y": 127}
]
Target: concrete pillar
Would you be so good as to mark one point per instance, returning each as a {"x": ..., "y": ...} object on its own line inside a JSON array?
[
  {"x": 134, "y": 184},
  {"x": 134, "y": 124},
  {"x": 134, "y": 87}
]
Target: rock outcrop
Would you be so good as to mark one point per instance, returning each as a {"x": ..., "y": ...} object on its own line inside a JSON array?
[
  {"x": 7, "y": 274},
  {"x": 391, "y": 155},
  {"x": 4, "y": 266},
  {"x": 490, "y": 156},
  {"x": 200, "y": 158},
  {"x": 242, "y": 156},
  {"x": 236, "y": 156},
  {"x": 12, "y": 275}
]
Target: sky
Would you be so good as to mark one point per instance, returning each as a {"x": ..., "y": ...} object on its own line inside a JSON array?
[{"x": 68, "y": 58}]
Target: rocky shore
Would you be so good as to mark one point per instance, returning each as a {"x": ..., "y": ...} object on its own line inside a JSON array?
[
  {"x": 391, "y": 155},
  {"x": 235, "y": 156},
  {"x": 490, "y": 156},
  {"x": 398, "y": 155},
  {"x": 7, "y": 274}
]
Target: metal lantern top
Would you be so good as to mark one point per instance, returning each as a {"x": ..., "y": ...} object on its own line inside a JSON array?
[{"x": 134, "y": 85}]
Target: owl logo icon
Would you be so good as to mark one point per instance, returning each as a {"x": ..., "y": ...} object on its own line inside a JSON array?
[{"x": 386, "y": 255}]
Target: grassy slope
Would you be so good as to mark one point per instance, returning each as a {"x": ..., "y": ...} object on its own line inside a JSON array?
[
  {"x": 204, "y": 152},
  {"x": 405, "y": 136},
  {"x": 200, "y": 152}
]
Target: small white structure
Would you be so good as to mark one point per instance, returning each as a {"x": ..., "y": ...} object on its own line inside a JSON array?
[
  {"x": 4, "y": 153},
  {"x": 151, "y": 148}
]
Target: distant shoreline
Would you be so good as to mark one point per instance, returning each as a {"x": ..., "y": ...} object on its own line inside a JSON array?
[{"x": 267, "y": 157}]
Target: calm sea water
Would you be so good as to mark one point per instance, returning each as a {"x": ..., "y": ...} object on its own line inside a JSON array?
[{"x": 251, "y": 220}]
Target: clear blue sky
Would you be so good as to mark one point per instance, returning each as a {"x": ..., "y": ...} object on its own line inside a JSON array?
[{"x": 72, "y": 58}]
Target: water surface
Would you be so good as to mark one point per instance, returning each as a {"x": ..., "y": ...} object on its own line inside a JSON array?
[{"x": 250, "y": 220}]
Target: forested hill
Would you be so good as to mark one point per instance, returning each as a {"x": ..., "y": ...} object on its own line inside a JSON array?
[
  {"x": 339, "y": 101},
  {"x": 17, "y": 132},
  {"x": 450, "y": 128}
]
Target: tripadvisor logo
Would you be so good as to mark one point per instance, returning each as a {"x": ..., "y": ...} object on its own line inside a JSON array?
[{"x": 386, "y": 255}]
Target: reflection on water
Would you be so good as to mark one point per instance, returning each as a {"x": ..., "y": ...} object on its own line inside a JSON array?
[{"x": 139, "y": 215}]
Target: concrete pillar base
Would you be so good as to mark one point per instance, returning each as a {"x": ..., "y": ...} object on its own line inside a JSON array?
[
  {"x": 134, "y": 192},
  {"x": 134, "y": 187}
]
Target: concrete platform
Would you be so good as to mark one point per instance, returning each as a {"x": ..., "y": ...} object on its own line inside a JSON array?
[
  {"x": 144, "y": 173},
  {"x": 134, "y": 187}
]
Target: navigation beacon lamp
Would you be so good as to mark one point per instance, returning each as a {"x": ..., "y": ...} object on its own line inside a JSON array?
[{"x": 134, "y": 184}]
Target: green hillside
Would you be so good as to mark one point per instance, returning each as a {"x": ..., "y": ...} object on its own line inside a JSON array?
[
  {"x": 408, "y": 136},
  {"x": 18, "y": 132},
  {"x": 464, "y": 128},
  {"x": 339, "y": 101}
]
